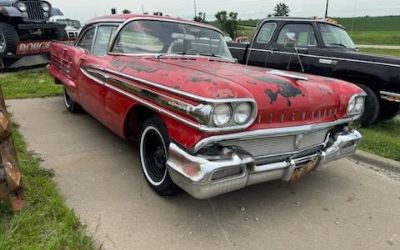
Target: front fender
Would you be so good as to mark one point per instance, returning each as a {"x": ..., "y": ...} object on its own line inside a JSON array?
[
  {"x": 10, "y": 11},
  {"x": 56, "y": 12}
]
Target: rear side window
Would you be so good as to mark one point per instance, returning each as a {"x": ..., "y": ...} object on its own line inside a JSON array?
[
  {"x": 86, "y": 41},
  {"x": 304, "y": 34},
  {"x": 266, "y": 32},
  {"x": 103, "y": 38}
]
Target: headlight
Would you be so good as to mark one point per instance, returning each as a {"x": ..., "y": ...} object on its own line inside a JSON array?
[
  {"x": 242, "y": 113},
  {"x": 356, "y": 105},
  {"x": 222, "y": 114},
  {"x": 45, "y": 6},
  {"x": 21, "y": 6}
]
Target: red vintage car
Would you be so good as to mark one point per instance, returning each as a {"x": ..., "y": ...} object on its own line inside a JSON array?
[{"x": 204, "y": 123}]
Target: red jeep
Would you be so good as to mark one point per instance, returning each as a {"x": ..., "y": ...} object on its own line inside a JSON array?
[{"x": 204, "y": 123}]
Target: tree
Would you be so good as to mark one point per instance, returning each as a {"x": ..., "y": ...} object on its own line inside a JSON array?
[
  {"x": 201, "y": 18},
  {"x": 228, "y": 23},
  {"x": 281, "y": 9},
  {"x": 125, "y": 11}
]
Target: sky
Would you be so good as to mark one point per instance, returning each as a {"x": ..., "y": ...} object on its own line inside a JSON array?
[{"x": 87, "y": 9}]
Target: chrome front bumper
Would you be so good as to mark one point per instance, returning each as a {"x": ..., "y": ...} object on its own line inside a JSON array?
[{"x": 204, "y": 178}]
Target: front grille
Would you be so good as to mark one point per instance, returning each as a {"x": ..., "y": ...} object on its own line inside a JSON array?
[
  {"x": 273, "y": 146},
  {"x": 35, "y": 11}
]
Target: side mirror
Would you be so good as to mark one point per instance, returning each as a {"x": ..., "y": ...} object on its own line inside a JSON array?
[{"x": 290, "y": 40}]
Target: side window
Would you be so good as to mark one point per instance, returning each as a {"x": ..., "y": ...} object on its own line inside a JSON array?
[
  {"x": 304, "y": 34},
  {"x": 86, "y": 41},
  {"x": 103, "y": 38},
  {"x": 266, "y": 32}
]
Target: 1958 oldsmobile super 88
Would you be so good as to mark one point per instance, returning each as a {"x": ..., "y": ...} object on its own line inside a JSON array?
[{"x": 204, "y": 123}]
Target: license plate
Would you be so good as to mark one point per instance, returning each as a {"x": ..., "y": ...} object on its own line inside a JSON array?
[{"x": 303, "y": 170}]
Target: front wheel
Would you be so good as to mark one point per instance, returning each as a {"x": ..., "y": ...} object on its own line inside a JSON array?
[{"x": 153, "y": 149}]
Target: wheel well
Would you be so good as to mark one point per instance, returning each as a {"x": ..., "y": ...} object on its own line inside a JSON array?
[
  {"x": 134, "y": 120},
  {"x": 356, "y": 78}
]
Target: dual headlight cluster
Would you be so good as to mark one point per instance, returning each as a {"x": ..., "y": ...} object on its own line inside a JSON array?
[
  {"x": 46, "y": 7},
  {"x": 234, "y": 114},
  {"x": 225, "y": 115},
  {"x": 356, "y": 105}
]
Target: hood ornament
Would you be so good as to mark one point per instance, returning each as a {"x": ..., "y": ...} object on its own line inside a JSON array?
[{"x": 287, "y": 74}]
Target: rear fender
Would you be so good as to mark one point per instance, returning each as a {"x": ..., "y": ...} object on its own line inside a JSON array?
[
  {"x": 10, "y": 12},
  {"x": 56, "y": 12},
  {"x": 64, "y": 66}
]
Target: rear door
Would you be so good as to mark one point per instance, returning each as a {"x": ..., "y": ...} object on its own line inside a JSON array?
[{"x": 95, "y": 41}]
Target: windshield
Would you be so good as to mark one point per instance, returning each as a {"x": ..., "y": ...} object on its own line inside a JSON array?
[
  {"x": 334, "y": 36},
  {"x": 71, "y": 23},
  {"x": 158, "y": 37}
]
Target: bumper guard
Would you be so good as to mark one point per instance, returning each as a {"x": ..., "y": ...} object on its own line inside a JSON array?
[{"x": 236, "y": 169}]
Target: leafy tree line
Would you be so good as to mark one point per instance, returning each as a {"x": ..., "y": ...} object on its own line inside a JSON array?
[{"x": 229, "y": 22}]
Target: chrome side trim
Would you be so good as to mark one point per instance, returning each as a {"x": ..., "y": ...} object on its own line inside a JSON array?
[
  {"x": 237, "y": 48},
  {"x": 138, "y": 94},
  {"x": 180, "y": 92},
  {"x": 270, "y": 132},
  {"x": 326, "y": 57},
  {"x": 390, "y": 96}
]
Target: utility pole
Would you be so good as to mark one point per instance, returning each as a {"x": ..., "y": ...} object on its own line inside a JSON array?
[
  {"x": 327, "y": 7},
  {"x": 195, "y": 8}
]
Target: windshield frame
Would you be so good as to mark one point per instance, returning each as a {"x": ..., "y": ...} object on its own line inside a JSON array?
[
  {"x": 177, "y": 21},
  {"x": 339, "y": 28}
]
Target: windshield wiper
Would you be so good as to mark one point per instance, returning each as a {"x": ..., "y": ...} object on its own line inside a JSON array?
[{"x": 340, "y": 44}]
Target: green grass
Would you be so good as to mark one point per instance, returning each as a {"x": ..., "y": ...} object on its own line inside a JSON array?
[
  {"x": 387, "y": 52},
  {"x": 45, "y": 222},
  {"x": 28, "y": 84},
  {"x": 382, "y": 139},
  {"x": 376, "y": 37},
  {"x": 384, "y": 23}
]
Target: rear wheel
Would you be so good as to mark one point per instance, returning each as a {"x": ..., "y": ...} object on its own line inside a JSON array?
[
  {"x": 389, "y": 110},
  {"x": 153, "y": 150},
  {"x": 72, "y": 106},
  {"x": 372, "y": 107}
]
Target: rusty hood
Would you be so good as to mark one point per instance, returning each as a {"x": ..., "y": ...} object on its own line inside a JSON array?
[{"x": 281, "y": 96}]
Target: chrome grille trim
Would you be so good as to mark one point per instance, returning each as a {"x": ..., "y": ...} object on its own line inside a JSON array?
[
  {"x": 34, "y": 10},
  {"x": 270, "y": 146}
]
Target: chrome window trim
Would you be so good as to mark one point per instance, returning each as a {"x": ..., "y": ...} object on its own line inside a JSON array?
[
  {"x": 154, "y": 19},
  {"x": 271, "y": 132},
  {"x": 326, "y": 57}
]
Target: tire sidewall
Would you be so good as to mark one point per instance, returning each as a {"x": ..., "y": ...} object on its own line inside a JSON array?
[
  {"x": 166, "y": 187},
  {"x": 11, "y": 37},
  {"x": 372, "y": 107},
  {"x": 146, "y": 130}
]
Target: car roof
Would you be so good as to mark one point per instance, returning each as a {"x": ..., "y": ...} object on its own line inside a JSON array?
[
  {"x": 308, "y": 19},
  {"x": 120, "y": 18}
]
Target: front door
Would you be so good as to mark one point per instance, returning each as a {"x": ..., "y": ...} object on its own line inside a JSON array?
[{"x": 293, "y": 59}]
